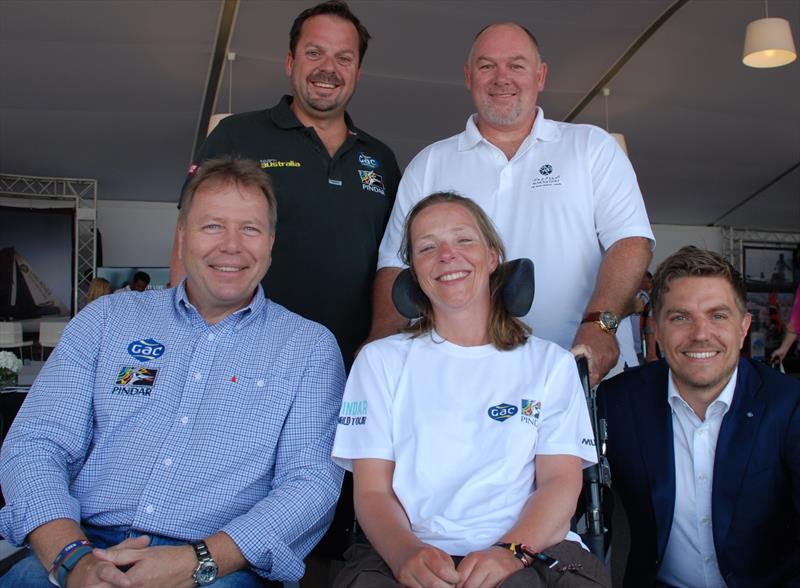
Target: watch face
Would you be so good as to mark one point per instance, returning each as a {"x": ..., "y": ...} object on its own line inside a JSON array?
[
  {"x": 206, "y": 573},
  {"x": 609, "y": 320}
]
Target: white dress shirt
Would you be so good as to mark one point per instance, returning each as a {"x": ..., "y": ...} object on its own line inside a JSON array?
[{"x": 690, "y": 560}]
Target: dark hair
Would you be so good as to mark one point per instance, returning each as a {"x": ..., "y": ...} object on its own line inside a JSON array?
[
  {"x": 337, "y": 8},
  {"x": 506, "y": 332},
  {"x": 230, "y": 169},
  {"x": 691, "y": 261},
  {"x": 141, "y": 277},
  {"x": 527, "y": 32}
]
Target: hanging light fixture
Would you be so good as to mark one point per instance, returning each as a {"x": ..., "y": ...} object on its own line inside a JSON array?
[
  {"x": 619, "y": 137},
  {"x": 768, "y": 42},
  {"x": 216, "y": 118}
]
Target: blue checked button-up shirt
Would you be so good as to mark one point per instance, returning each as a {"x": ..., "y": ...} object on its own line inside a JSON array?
[{"x": 146, "y": 417}]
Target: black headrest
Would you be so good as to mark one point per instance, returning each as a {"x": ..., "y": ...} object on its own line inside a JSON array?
[{"x": 518, "y": 289}]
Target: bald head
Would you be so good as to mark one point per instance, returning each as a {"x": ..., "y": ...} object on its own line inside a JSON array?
[
  {"x": 507, "y": 24},
  {"x": 504, "y": 73}
]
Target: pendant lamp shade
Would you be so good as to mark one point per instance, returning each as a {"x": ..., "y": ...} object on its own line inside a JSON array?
[
  {"x": 215, "y": 120},
  {"x": 620, "y": 139},
  {"x": 768, "y": 42}
]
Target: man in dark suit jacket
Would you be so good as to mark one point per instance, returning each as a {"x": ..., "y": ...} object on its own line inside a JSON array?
[{"x": 704, "y": 447}]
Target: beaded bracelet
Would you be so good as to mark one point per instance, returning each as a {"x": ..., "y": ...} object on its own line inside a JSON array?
[
  {"x": 527, "y": 555},
  {"x": 518, "y": 551}
]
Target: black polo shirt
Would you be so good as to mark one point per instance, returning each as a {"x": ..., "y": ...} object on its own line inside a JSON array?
[{"x": 331, "y": 214}]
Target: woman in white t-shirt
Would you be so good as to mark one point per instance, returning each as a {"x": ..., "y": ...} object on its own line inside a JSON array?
[{"x": 466, "y": 435}]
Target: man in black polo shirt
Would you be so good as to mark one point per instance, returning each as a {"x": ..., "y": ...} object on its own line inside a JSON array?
[{"x": 335, "y": 184}]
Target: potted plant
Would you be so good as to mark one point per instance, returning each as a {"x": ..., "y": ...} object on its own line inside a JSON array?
[{"x": 10, "y": 365}]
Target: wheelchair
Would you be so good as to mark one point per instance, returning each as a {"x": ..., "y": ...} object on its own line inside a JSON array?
[{"x": 595, "y": 503}]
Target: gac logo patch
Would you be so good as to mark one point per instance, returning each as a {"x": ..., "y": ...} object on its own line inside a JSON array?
[
  {"x": 371, "y": 181},
  {"x": 135, "y": 381},
  {"x": 531, "y": 409},
  {"x": 145, "y": 349},
  {"x": 502, "y": 412},
  {"x": 367, "y": 161}
]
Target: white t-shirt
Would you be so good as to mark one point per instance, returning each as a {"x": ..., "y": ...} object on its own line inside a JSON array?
[
  {"x": 463, "y": 426},
  {"x": 568, "y": 194}
]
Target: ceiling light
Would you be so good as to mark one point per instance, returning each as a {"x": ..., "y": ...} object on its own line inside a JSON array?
[{"x": 768, "y": 42}]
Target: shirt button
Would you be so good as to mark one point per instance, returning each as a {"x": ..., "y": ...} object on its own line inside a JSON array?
[
  {"x": 260, "y": 383},
  {"x": 149, "y": 509},
  {"x": 701, "y": 477},
  {"x": 184, "y": 420},
  {"x": 210, "y": 336},
  {"x": 704, "y": 520},
  {"x": 198, "y": 376},
  {"x": 168, "y": 462},
  {"x": 707, "y": 560}
]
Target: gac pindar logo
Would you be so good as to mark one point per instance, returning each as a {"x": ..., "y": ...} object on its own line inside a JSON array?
[
  {"x": 371, "y": 181},
  {"x": 531, "y": 410},
  {"x": 134, "y": 381},
  {"x": 502, "y": 412},
  {"x": 145, "y": 349}
]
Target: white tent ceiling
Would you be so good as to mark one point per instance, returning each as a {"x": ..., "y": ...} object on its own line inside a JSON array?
[{"x": 113, "y": 90}]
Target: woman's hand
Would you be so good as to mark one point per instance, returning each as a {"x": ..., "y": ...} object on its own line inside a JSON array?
[
  {"x": 427, "y": 567},
  {"x": 487, "y": 568}
]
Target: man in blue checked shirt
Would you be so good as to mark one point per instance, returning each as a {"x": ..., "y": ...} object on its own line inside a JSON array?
[{"x": 181, "y": 437}]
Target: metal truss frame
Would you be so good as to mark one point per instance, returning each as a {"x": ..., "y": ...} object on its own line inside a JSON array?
[
  {"x": 81, "y": 194},
  {"x": 734, "y": 241}
]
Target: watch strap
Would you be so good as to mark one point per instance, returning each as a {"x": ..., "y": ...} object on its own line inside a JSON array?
[
  {"x": 597, "y": 318},
  {"x": 203, "y": 559}
]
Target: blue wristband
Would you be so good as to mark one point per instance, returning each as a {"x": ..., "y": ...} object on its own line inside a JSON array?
[{"x": 70, "y": 562}]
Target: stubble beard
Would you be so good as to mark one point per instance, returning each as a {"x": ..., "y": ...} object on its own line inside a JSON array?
[{"x": 494, "y": 117}]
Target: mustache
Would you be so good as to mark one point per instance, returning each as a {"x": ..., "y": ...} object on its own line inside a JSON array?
[{"x": 326, "y": 77}]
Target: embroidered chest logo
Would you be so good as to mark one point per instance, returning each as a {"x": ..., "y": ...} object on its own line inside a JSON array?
[
  {"x": 531, "y": 409},
  {"x": 502, "y": 412},
  {"x": 135, "y": 381},
  {"x": 371, "y": 181},
  {"x": 145, "y": 349},
  {"x": 353, "y": 413},
  {"x": 546, "y": 178},
  {"x": 367, "y": 161},
  {"x": 273, "y": 163}
]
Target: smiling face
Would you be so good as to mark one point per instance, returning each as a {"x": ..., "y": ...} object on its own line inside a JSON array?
[
  {"x": 451, "y": 260},
  {"x": 324, "y": 69},
  {"x": 701, "y": 329},
  {"x": 225, "y": 245},
  {"x": 505, "y": 75}
]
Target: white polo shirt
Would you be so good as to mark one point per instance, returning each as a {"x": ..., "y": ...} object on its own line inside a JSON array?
[
  {"x": 568, "y": 194},
  {"x": 690, "y": 558},
  {"x": 463, "y": 426}
]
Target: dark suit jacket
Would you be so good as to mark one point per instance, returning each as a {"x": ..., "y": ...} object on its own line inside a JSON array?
[{"x": 756, "y": 490}]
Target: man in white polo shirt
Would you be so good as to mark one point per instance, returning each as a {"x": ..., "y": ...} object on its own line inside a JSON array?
[{"x": 563, "y": 195}]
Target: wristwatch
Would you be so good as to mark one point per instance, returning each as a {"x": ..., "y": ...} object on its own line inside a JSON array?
[
  {"x": 607, "y": 320},
  {"x": 206, "y": 572}
]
